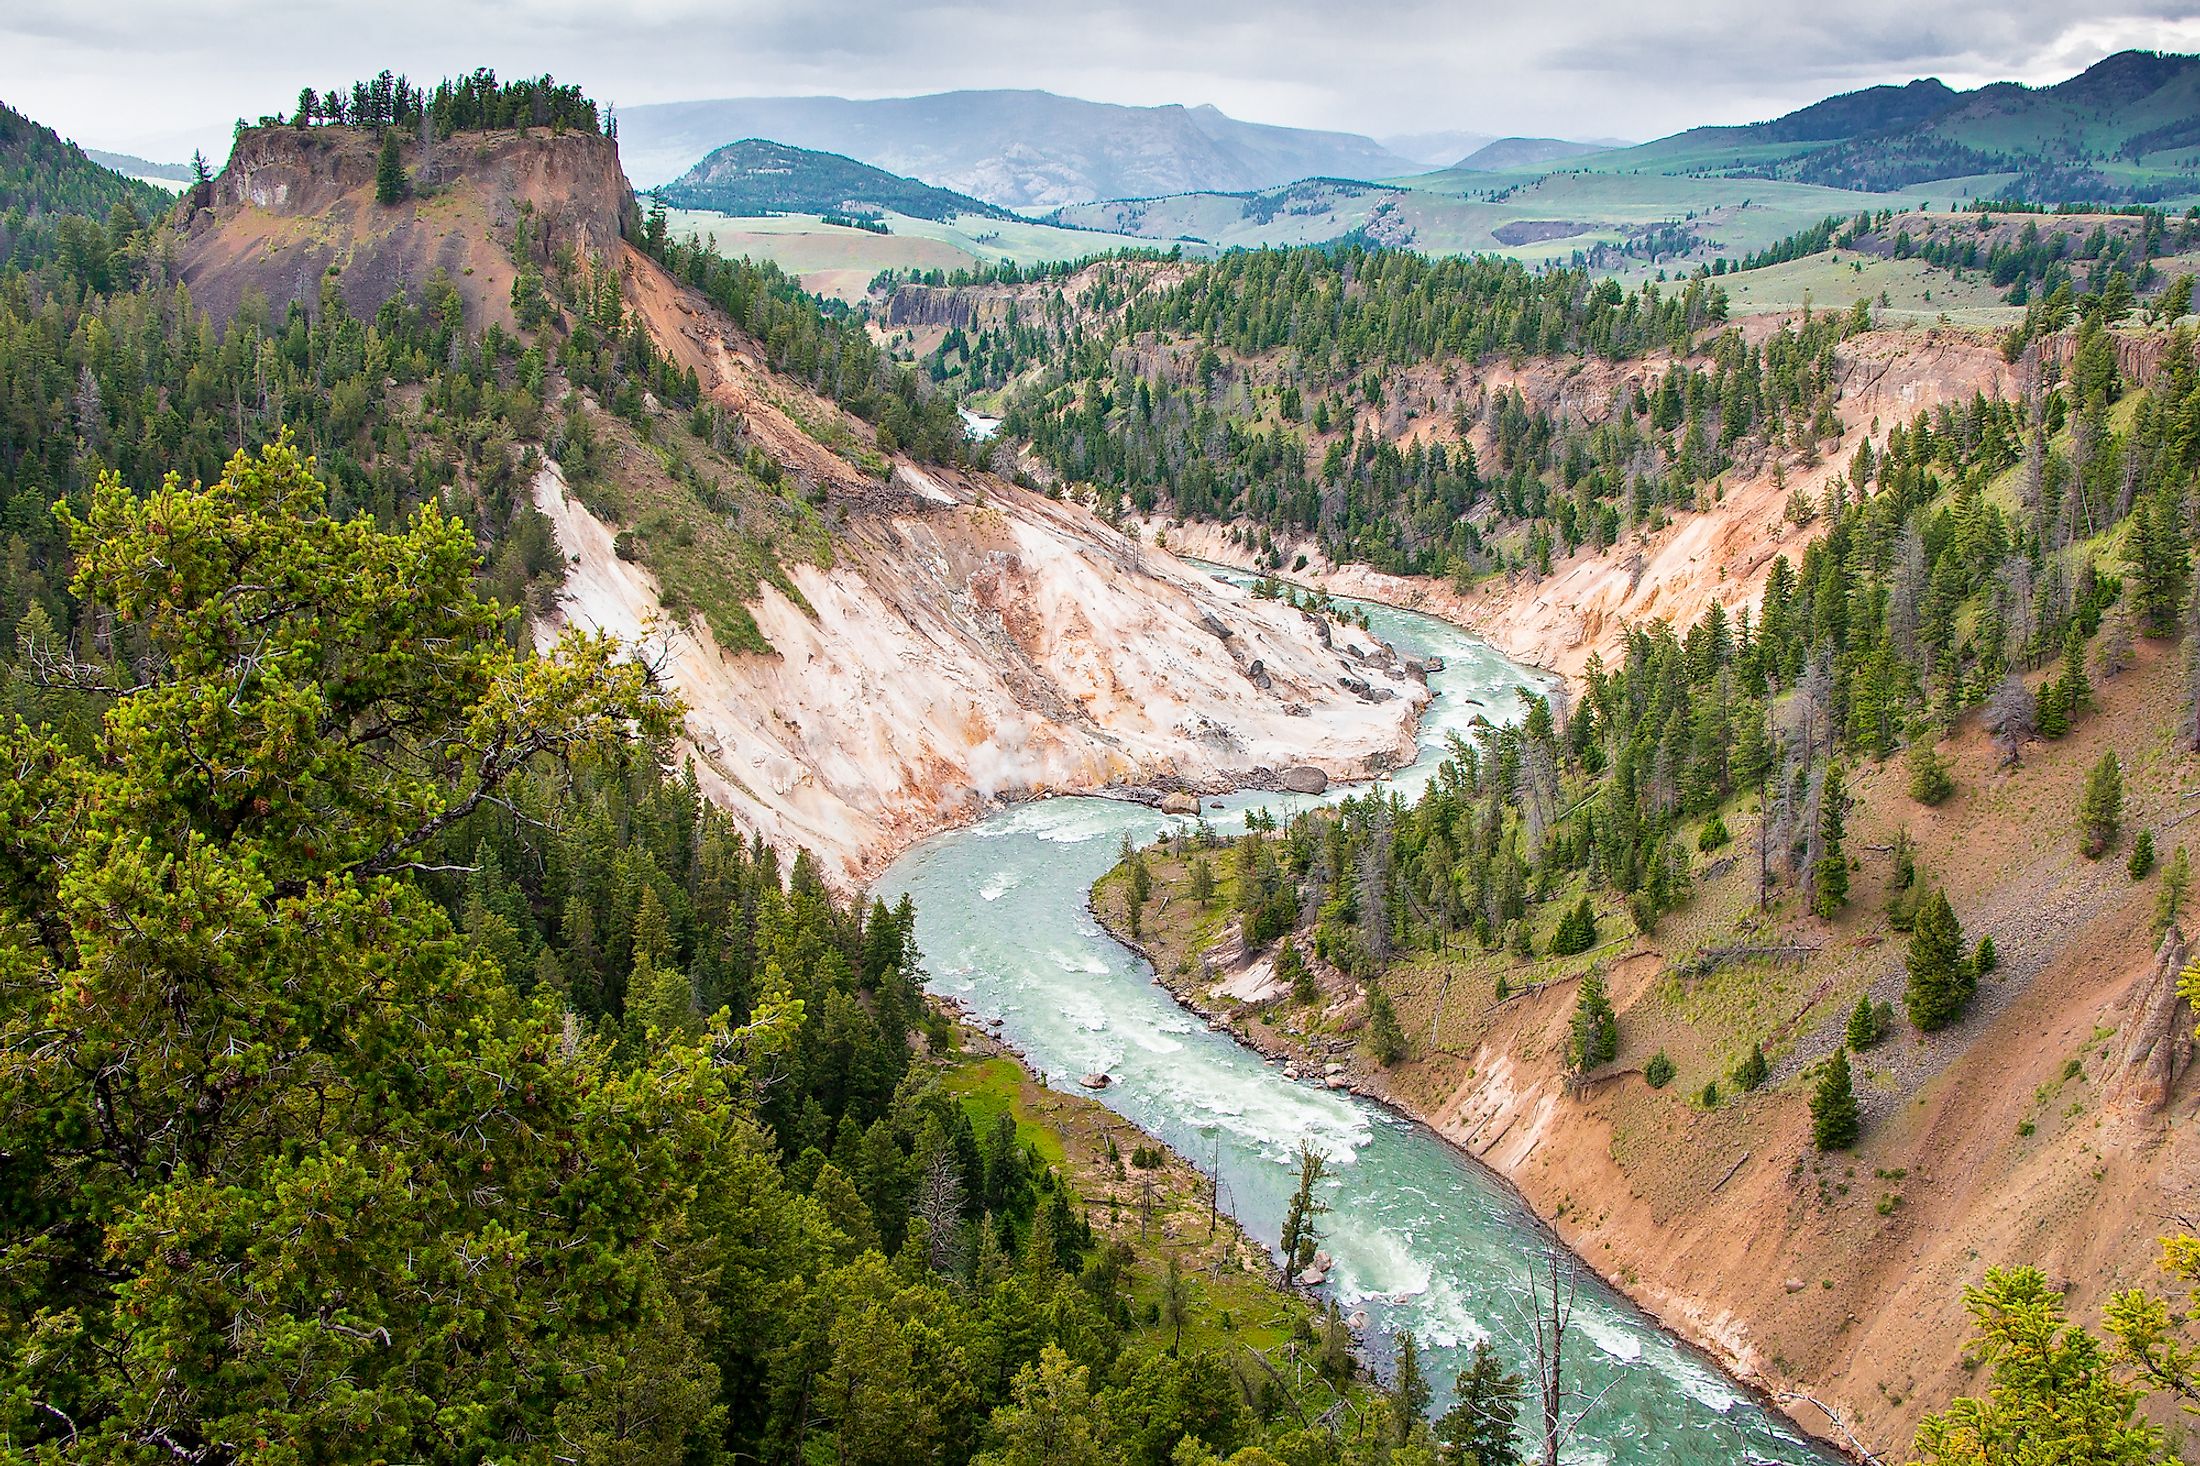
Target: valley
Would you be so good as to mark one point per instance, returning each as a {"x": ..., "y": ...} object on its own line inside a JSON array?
[{"x": 1537, "y": 811}]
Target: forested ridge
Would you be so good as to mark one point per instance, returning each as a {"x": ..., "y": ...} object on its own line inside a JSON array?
[
  {"x": 54, "y": 199},
  {"x": 1264, "y": 390},
  {"x": 1992, "y": 561},
  {"x": 1994, "y": 566},
  {"x": 402, "y": 1060}
]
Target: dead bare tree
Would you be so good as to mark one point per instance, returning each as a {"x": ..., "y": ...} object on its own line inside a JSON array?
[{"x": 1553, "y": 1289}]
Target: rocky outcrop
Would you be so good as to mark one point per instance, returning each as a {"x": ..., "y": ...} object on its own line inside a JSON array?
[
  {"x": 928, "y": 305},
  {"x": 2154, "y": 1044},
  {"x": 295, "y": 203}
]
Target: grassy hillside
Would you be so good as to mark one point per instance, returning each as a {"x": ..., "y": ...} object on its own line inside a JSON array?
[
  {"x": 756, "y": 176},
  {"x": 2120, "y": 132},
  {"x": 841, "y": 260}
]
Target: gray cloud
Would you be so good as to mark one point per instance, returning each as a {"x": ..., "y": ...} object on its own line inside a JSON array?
[{"x": 162, "y": 77}]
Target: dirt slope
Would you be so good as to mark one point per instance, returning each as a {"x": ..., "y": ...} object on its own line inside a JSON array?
[{"x": 2054, "y": 1125}]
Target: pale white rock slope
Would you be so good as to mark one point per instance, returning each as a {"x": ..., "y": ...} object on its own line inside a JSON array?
[{"x": 970, "y": 649}]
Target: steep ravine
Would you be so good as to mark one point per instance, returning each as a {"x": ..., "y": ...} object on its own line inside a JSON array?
[{"x": 2053, "y": 1126}]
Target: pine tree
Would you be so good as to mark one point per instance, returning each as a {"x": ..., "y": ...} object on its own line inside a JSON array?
[
  {"x": 1595, "y": 1035},
  {"x": 1830, "y": 874},
  {"x": 1753, "y": 1070},
  {"x": 2142, "y": 856},
  {"x": 1411, "y": 1394},
  {"x": 2155, "y": 547},
  {"x": 2077, "y": 691},
  {"x": 2169, "y": 902},
  {"x": 1386, "y": 1041},
  {"x": 390, "y": 183},
  {"x": 1301, "y": 1236},
  {"x": 1941, "y": 982},
  {"x": 1863, "y": 1030},
  {"x": 1834, "y": 1120},
  {"x": 1577, "y": 930},
  {"x": 1480, "y": 1426},
  {"x": 2101, "y": 808},
  {"x": 1202, "y": 881}
]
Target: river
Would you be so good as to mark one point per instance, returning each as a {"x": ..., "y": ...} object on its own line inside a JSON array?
[{"x": 1423, "y": 1237}]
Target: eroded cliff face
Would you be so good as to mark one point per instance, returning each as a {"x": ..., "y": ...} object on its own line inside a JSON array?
[
  {"x": 990, "y": 648},
  {"x": 295, "y": 203}
]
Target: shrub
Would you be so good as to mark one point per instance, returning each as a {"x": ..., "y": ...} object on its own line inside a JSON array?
[
  {"x": 1658, "y": 1073},
  {"x": 1930, "y": 782},
  {"x": 1577, "y": 931},
  {"x": 1714, "y": 834}
]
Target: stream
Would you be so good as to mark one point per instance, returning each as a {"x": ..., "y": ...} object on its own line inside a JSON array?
[{"x": 1422, "y": 1237}]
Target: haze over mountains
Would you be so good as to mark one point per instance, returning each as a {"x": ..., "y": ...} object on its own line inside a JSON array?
[
  {"x": 2126, "y": 130},
  {"x": 1019, "y": 149},
  {"x": 754, "y": 176}
]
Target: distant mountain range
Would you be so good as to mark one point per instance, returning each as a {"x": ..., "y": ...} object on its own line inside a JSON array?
[
  {"x": 1017, "y": 149},
  {"x": 1435, "y": 149},
  {"x": 755, "y": 176},
  {"x": 2126, "y": 130},
  {"x": 1524, "y": 152},
  {"x": 130, "y": 165}
]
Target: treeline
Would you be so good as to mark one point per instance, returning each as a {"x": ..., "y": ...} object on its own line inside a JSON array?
[
  {"x": 1012, "y": 272},
  {"x": 1925, "y": 599},
  {"x": 1347, "y": 308},
  {"x": 476, "y": 102},
  {"x": 54, "y": 201},
  {"x": 1282, "y": 448}
]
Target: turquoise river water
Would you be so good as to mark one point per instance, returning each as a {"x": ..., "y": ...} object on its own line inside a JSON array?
[{"x": 1423, "y": 1237}]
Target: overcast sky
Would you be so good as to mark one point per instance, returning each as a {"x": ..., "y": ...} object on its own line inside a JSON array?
[{"x": 158, "y": 76}]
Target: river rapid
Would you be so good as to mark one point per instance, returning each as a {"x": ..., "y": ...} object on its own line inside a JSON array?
[{"x": 1422, "y": 1236}]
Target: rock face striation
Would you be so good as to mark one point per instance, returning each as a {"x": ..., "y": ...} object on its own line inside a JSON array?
[
  {"x": 296, "y": 205},
  {"x": 2155, "y": 1042}
]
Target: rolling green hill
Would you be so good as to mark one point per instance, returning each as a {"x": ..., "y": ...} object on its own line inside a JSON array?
[
  {"x": 2126, "y": 130},
  {"x": 757, "y": 176}
]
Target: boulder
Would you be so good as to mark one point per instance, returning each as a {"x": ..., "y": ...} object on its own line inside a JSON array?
[
  {"x": 1179, "y": 804},
  {"x": 1095, "y": 1081},
  {"x": 1304, "y": 779}
]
